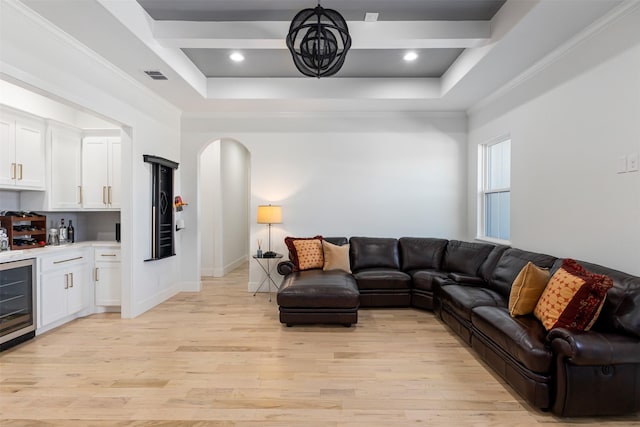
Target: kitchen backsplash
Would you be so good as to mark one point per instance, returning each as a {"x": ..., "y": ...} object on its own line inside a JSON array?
[
  {"x": 87, "y": 225},
  {"x": 9, "y": 200}
]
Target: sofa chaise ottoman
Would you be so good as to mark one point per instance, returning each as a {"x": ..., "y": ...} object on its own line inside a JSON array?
[{"x": 317, "y": 296}]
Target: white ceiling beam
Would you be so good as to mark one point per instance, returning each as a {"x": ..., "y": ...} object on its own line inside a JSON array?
[
  {"x": 332, "y": 88},
  {"x": 136, "y": 19},
  {"x": 364, "y": 35}
]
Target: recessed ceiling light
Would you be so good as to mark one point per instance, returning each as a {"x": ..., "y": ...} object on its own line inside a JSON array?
[
  {"x": 410, "y": 56},
  {"x": 236, "y": 57}
]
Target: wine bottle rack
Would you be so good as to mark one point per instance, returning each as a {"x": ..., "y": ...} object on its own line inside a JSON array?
[{"x": 25, "y": 232}]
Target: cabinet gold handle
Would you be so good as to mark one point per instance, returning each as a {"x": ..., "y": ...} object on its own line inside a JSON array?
[
  {"x": 13, "y": 171},
  {"x": 97, "y": 278},
  {"x": 80, "y": 192},
  {"x": 108, "y": 255},
  {"x": 20, "y": 169},
  {"x": 66, "y": 281},
  {"x": 71, "y": 280},
  {"x": 104, "y": 195},
  {"x": 110, "y": 195}
]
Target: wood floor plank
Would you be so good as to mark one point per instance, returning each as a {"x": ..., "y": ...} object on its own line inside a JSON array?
[{"x": 220, "y": 358}]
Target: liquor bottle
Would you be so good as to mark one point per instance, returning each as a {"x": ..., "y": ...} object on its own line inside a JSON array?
[
  {"x": 62, "y": 233},
  {"x": 71, "y": 232}
]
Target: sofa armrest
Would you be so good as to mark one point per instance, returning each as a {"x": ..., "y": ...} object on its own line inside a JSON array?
[
  {"x": 594, "y": 348},
  {"x": 466, "y": 279},
  {"x": 285, "y": 267}
]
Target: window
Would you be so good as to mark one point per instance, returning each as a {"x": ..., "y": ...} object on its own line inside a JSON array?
[{"x": 495, "y": 189}]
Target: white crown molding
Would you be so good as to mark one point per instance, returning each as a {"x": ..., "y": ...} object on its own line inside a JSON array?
[
  {"x": 323, "y": 114},
  {"x": 609, "y": 19},
  {"x": 89, "y": 53}
]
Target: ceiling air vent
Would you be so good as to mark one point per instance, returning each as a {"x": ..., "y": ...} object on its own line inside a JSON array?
[{"x": 155, "y": 75}]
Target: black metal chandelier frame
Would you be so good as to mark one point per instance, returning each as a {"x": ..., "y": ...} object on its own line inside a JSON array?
[{"x": 318, "y": 40}]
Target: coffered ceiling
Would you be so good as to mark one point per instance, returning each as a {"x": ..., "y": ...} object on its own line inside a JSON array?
[{"x": 467, "y": 49}]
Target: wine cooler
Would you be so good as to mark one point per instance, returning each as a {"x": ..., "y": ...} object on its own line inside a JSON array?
[{"x": 17, "y": 302}]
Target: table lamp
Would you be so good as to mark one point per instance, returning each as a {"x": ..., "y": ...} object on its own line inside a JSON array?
[{"x": 268, "y": 214}]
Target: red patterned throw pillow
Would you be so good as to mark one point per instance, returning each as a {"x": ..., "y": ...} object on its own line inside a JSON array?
[
  {"x": 573, "y": 298},
  {"x": 305, "y": 252}
]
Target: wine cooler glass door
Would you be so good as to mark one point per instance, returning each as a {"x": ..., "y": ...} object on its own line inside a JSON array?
[{"x": 17, "y": 299}]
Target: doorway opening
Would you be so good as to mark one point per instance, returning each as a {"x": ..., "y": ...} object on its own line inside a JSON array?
[{"x": 223, "y": 204}]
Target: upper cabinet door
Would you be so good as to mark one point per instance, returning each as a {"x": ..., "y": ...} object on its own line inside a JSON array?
[
  {"x": 66, "y": 169},
  {"x": 21, "y": 152},
  {"x": 7, "y": 152},
  {"x": 95, "y": 177},
  {"x": 115, "y": 172},
  {"x": 30, "y": 155}
]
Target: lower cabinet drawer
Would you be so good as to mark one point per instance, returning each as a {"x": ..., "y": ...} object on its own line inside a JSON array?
[
  {"x": 107, "y": 255},
  {"x": 63, "y": 260}
]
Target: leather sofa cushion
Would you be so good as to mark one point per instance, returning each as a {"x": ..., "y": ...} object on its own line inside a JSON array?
[
  {"x": 319, "y": 289},
  {"x": 522, "y": 337},
  {"x": 421, "y": 253},
  {"x": 424, "y": 279},
  {"x": 465, "y": 257},
  {"x": 336, "y": 240},
  {"x": 382, "y": 279},
  {"x": 487, "y": 267},
  {"x": 462, "y": 299},
  {"x": 374, "y": 252},
  {"x": 511, "y": 263}
]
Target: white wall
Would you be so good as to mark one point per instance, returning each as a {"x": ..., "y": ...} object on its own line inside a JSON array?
[
  {"x": 210, "y": 209},
  {"x": 569, "y": 124},
  {"x": 391, "y": 175},
  {"x": 234, "y": 180},
  {"x": 37, "y": 55}
]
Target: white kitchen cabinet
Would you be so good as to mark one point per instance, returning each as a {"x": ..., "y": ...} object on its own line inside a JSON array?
[
  {"x": 63, "y": 285},
  {"x": 107, "y": 277},
  {"x": 101, "y": 170},
  {"x": 66, "y": 168},
  {"x": 22, "y": 152}
]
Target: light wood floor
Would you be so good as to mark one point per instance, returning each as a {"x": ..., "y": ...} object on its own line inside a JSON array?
[{"x": 221, "y": 358}]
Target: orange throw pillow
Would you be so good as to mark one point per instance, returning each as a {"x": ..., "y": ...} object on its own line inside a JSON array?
[
  {"x": 305, "y": 252},
  {"x": 527, "y": 289},
  {"x": 573, "y": 298}
]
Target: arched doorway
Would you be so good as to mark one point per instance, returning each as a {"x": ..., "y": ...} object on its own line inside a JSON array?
[{"x": 223, "y": 203}]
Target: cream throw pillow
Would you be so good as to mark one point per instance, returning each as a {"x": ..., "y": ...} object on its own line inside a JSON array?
[
  {"x": 336, "y": 257},
  {"x": 527, "y": 288}
]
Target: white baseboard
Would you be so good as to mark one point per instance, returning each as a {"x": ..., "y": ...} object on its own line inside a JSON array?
[
  {"x": 223, "y": 271},
  {"x": 235, "y": 264},
  {"x": 156, "y": 299},
  {"x": 207, "y": 272},
  {"x": 191, "y": 286}
]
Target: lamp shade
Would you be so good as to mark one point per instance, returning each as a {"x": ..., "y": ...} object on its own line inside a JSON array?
[{"x": 268, "y": 214}]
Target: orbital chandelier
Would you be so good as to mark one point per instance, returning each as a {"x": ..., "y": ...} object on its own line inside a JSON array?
[{"x": 318, "y": 40}]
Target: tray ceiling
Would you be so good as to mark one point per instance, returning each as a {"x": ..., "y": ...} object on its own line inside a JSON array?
[{"x": 467, "y": 49}]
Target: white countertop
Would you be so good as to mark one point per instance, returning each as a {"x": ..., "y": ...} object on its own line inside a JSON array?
[{"x": 20, "y": 254}]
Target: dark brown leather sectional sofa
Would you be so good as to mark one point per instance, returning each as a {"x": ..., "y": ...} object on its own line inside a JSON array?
[{"x": 467, "y": 285}]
